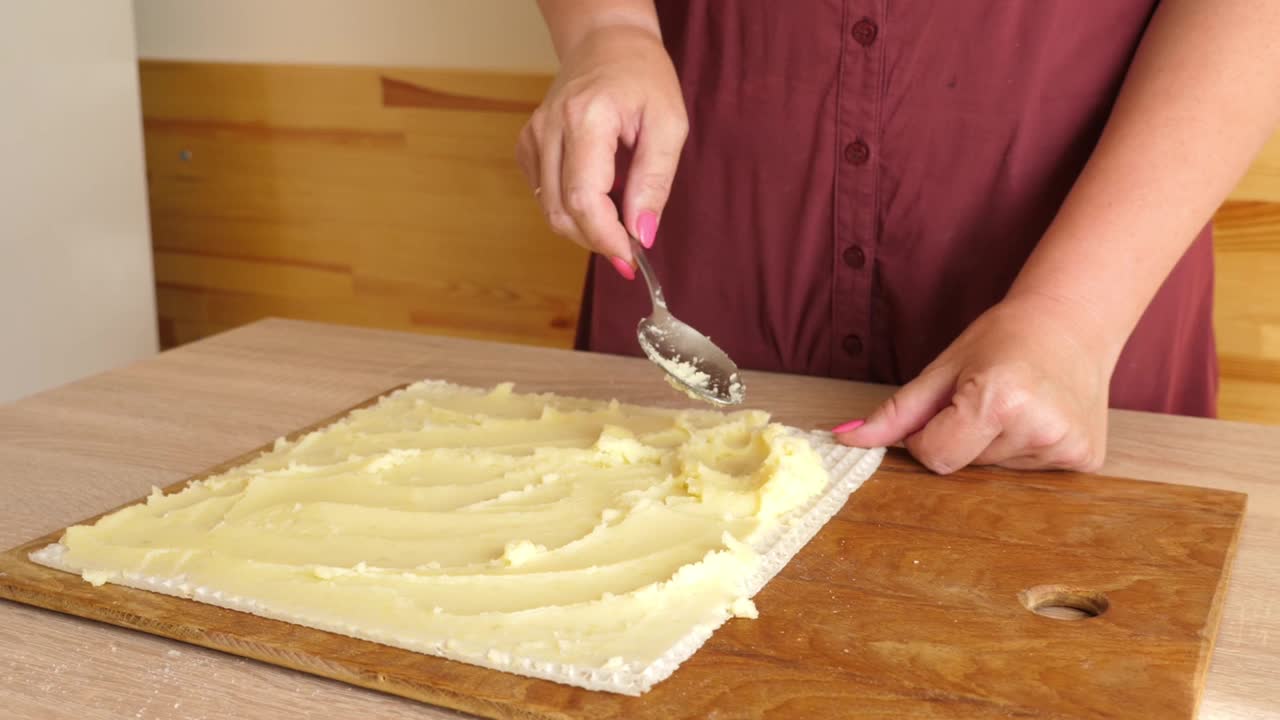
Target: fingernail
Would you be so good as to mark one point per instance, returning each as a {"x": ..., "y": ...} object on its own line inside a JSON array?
[
  {"x": 849, "y": 426},
  {"x": 623, "y": 268},
  {"x": 647, "y": 228}
]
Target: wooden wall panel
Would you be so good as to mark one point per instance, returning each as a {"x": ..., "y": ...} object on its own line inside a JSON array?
[
  {"x": 1247, "y": 297},
  {"x": 359, "y": 195},
  {"x": 390, "y": 198},
  {"x": 1247, "y": 309},
  {"x": 1262, "y": 183}
]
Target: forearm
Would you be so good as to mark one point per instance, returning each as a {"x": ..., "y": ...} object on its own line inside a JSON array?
[
  {"x": 571, "y": 20},
  {"x": 1200, "y": 99}
]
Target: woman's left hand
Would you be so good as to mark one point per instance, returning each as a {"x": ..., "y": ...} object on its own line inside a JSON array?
[{"x": 1022, "y": 387}]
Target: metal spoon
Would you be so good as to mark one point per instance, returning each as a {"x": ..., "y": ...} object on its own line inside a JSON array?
[{"x": 692, "y": 362}]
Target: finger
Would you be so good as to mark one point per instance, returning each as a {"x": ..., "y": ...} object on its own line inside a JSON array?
[
  {"x": 905, "y": 412},
  {"x": 1036, "y": 461},
  {"x": 1026, "y": 436},
  {"x": 1074, "y": 453},
  {"x": 621, "y": 168},
  {"x": 550, "y": 152},
  {"x": 1006, "y": 446},
  {"x": 1027, "y": 463},
  {"x": 590, "y": 144},
  {"x": 527, "y": 158},
  {"x": 1032, "y": 430},
  {"x": 653, "y": 169},
  {"x": 958, "y": 434}
]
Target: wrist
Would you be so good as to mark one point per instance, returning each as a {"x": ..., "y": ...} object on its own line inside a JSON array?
[
  {"x": 1096, "y": 332},
  {"x": 570, "y": 25}
]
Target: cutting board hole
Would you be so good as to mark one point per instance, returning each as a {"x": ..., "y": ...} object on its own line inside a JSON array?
[{"x": 1064, "y": 603}]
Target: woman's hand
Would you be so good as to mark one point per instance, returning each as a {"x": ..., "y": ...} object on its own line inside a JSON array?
[
  {"x": 616, "y": 86},
  {"x": 1026, "y": 384},
  {"x": 1022, "y": 387}
]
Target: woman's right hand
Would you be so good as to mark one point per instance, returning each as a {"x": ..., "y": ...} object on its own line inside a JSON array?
[{"x": 616, "y": 88}]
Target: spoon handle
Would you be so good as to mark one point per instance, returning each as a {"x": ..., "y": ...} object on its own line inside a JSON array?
[{"x": 650, "y": 278}]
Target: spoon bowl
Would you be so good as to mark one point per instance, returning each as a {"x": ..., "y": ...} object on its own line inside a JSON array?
[{"x": 694, "y": 364}]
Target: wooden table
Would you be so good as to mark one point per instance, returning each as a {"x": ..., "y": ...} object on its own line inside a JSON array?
[{"x": 75, "y": 451}]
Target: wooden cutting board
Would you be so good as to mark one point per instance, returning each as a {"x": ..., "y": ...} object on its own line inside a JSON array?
[{"x": 986, "y": 593}]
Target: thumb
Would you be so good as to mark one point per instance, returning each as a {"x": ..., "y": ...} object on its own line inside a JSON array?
[
  {"x": 653, "y": 168},
  {"x": 905, "y": 412}
]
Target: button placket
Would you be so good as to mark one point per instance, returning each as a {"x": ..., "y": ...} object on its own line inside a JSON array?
[
  {"x": 852, "y": 345},
  {"x": 854, "y": 257},
  {"x": 857, "y": 152},
  {"x": 865, "y": 32},
  {"x": 858, "y": 101}
]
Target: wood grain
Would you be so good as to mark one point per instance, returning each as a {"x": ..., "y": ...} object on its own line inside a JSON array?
[
  {"x": 905, "y": 605},
  {"x": 378, "y": 197},
  {"x": 1247, "y": 313},
  {"x": 1247, "y": 308},
  {"x": 70, "y": 453}
]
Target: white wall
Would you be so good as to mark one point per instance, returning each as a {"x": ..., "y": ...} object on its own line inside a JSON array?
[
  {"x": 76, "y": 288},
  {"x": 480, "y": 34}
]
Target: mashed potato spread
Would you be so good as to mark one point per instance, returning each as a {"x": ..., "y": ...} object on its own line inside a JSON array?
[{"x": 489, "y": 524}]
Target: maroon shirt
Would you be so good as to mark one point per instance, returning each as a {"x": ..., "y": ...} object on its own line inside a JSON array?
[{"x": 864, "y": 178}]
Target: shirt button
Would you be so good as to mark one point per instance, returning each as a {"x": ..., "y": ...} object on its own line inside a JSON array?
[
  {"x": 855, "y": 258},
  {"x": 857, "y": 152},
  {"x": 853, "y": 344},
  {"x": 864, "y": 31}
]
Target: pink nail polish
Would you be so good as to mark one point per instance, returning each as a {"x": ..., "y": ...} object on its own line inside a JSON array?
[
  {"x": 623, "y": 268},
  {"x": 849, "y": 426},
  {"x": 647, "y": 228}
]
